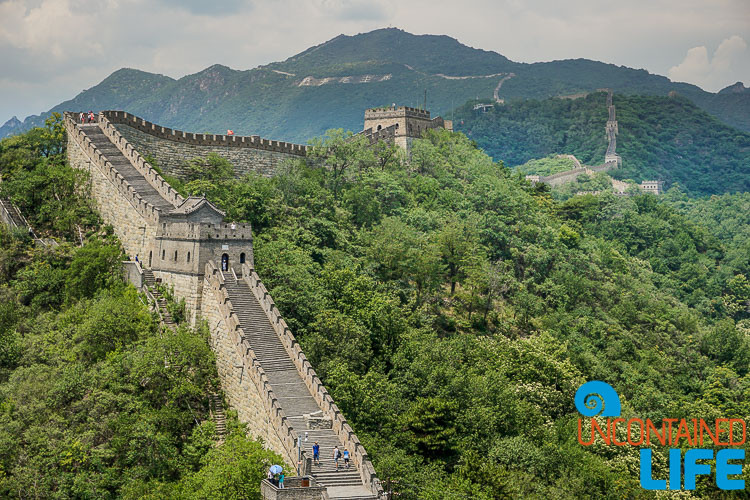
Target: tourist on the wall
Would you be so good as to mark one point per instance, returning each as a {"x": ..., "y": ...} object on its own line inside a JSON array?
[
  {"x": 336, "y": 456},
  {"x": 316, "y": 453},
  {"x": 346, "y": 458},
  {"x": 281, "y": 480}
]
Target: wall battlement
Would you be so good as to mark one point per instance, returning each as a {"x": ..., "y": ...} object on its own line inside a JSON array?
[
  {"x": 324, "y": 400},
  {"x": 232, "y": 141},
  {"x": 148, "y": 172},
  {"x": 397, "y": 111},
  {"x": 96, "y": 157}
]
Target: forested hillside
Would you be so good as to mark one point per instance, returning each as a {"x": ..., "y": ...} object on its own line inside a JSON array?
[
  {"x": 665, "y": 138},
  {"x": 452, "y": 311},
  {"x": 96, "y": 399}
]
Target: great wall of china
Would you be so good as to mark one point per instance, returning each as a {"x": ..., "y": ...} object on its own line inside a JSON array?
[
  {"x": 187, "y": 244},
  {"x": 611, "y": 159}
]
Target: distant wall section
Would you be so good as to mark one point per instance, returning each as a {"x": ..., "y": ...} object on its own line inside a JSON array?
[{"x": 172, "y": 149}]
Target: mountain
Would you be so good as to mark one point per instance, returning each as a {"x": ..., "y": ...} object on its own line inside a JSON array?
[
  {"x": 330, "y": 85},
  {"x": 12, "y": 126},
  {"x": 665, "y": 138}
]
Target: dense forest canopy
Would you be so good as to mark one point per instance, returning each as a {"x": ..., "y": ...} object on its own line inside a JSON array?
[
  {"x": 451, "y": 309},
  {"x": 660, "y": 138}
]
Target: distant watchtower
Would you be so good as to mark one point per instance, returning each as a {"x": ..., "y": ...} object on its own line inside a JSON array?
[{"x": 401, "y": 124}]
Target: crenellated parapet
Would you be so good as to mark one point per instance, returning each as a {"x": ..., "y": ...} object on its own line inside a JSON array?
[
  {"x": 148, "y": 172},
  {"x": 97, "y": 158},
  {"x": 231, "y": 141},
  {"x": 325, "y": 402},
  {"x": 214, "y": 280}
]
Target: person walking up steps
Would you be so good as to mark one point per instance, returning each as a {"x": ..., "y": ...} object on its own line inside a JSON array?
[
  {"x": 336, "y": 456},
  {"x": 346, "y": 458},
  {"x": 316, "y": 453}
]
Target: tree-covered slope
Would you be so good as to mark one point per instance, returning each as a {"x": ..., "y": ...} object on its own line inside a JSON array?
[
  {"x": 385, "y": 66},
  {"x": 452, "y": 310},
  {"x": 665, "y": 138}
]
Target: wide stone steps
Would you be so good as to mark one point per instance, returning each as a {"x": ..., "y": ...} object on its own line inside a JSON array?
[
  {"x": 291, "y": 391},
  {"x": 125, "y": 168}
]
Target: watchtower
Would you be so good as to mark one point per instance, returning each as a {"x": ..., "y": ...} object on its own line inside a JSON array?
[{"x": 403, "y": 123}]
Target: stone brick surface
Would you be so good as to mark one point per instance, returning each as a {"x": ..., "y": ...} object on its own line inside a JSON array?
[{"x": 172, "y": 157}]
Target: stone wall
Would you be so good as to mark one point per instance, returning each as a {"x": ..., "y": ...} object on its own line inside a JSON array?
[
  {"x": 134, "y": 220},
  {"x": 242, "y": 378},
  {"x": 292, "y": 490},
  {"x": 325, "y": 402},
  {"x": 173, "y": 148}
]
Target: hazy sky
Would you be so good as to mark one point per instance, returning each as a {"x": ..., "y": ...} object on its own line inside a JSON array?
[{"x": 50, "y": 50}]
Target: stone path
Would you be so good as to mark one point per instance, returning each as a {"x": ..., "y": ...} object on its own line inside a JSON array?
[
  {"x": 292, "y": 393},
  {"x": 125, "y": 168}
]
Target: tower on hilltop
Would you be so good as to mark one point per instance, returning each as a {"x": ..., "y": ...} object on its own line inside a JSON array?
[{"x": 401, "y": 124}]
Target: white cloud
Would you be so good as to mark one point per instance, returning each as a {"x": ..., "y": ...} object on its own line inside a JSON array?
[
  {"x": 714, "y": 73},
  {"x": 51, "y": 49}
]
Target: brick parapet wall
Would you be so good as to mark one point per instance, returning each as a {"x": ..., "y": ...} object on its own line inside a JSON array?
[
  {"x": 286, "y": 435},
  {"x": 398, "y": 112},
  {"x": 234, "y": 141},
  {"x": 124, "y": 188},
  {"x": 147, "y": 171},
  {"x": 324, "y": 400}
]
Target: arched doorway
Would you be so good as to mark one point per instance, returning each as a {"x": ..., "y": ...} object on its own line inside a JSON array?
[
  {"x": 225, "y": 262},
  {"x": 242, "y": 258}
]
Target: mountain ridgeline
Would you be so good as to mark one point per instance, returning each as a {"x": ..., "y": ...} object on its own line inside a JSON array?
[
  {"x": 665, "y": 138},
  {"x": 329, "y": 86}
]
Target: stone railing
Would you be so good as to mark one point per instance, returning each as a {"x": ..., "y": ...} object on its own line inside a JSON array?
[
  {"x": 133, "y": 273},
  {"x": 325, "y": 402},
  {"x": 255, "y": 142},
  {"x": 144, "y": 208},
  {"x": 146, "y": 170},
  {"x": 285, "y": 431}
]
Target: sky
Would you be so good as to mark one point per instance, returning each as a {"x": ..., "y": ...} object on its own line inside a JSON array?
[{"x": 50, "y": 50}]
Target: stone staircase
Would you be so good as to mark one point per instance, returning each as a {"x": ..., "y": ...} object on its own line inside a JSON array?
[
  {"x": 150, "y": 281},
  {"x": 125, "y": 168},
  {"x": 16, "y": 219},
  {"x": 292, "y": 393},
  {"x": 217, "y": 413}
]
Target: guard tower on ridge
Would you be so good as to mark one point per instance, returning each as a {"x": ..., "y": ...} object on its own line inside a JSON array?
[{"x": 401, "y": 124}]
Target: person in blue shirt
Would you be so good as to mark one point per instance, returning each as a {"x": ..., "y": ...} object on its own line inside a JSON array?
[
  {"x": 281, "y": 480},
  {"x": 346, "y": 457},
  {"x": 316, "y": 453}
]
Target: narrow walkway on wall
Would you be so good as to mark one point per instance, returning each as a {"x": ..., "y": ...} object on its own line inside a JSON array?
[
  {"x": 125, "y": 168},
  {"x": 292, "y": 393}
]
